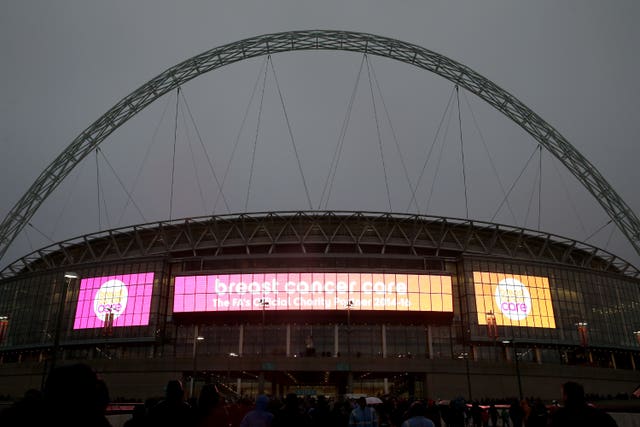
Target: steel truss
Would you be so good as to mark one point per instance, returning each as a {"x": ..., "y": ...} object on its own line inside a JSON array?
[
  {"x": 370, "y": 44},
  {"x": 319, "y": 234}
]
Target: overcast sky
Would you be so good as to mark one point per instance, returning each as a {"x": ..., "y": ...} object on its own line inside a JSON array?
[{"x": 65, "y": 63}]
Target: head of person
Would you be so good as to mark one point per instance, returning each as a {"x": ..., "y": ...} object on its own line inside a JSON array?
[
  {"x": 209, "y": 397},
  {"x": 573, "y": 393},
  {"x": 102, "y": 395},
  {"x": 174, "y": 390},
  {"x": 139, "y": 412},
  {"x": 291, "y": 400},
  {"x": 322, "y": 402},
  {"x": 362, "y": 402},
  {"x": 261, "y": 402},
  {"x": 75, "y": 388},
  {"x": 417, "y": 409}
]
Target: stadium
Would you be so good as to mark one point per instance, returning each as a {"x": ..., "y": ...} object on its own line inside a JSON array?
[{"x": 324, "y": 302}]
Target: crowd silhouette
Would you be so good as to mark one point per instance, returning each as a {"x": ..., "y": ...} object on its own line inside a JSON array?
[{"x": 74, "y": 396}]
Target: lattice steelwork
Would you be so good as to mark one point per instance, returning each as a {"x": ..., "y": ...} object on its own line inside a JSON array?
[
  {"x": 303, "y": 234},
  {"x": 269, "y": 44}
]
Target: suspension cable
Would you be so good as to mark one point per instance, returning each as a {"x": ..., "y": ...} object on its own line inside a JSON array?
[
  {"x": 293, "y": 142},
  {"x": 540, "y": 190},
  {"x": 106, "y": 211},
  {"x": 395, "y": 139},
  {"x": 124, "y": 188},
  {"x": 206, "y": 153},
  {"x": 488, "y": 153},
  {"x": 255, "y": 141},
  {"x": 433, "y": 143},
  {"x": 144, "y": 160},
  {"x": 439, "y": 161},
  {"x": 514, "y": 183},
  {"x": 98, "y": 190},
  {"x": 464, "y": 172},
  {"x": 237, "y": 139},
  {"x": 40, "y": 232},
  {"x": 328, "y": 184},
  {"x": 104, "y": 200},
  {"x": 26, "y": 235},
  {"x": 193, "y": 158},
  {"x": 533, "y": 192},
  {"x": 173, "y": 161},
  {"x": 598, "y": 230},
  {"x": 375, "y": 115},
  {"x": 606, "y": 245},
  {"x": 56, "y": 223},
  {"x": 576, "y": 212}
]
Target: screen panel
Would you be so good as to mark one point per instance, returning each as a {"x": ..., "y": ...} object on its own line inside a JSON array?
[
  {"x": 114, "y": 301},
  {"x": 313, "y": 291},
  {"x": 513, "y": 300}
]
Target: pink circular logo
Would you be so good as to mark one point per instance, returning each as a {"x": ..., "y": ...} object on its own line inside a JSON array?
[
  {"x": 513, "y": 299},
  {"x": 111, "y": 298}
]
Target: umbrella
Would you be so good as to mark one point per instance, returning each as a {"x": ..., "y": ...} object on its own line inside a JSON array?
[{"x": 372, "y": 400}]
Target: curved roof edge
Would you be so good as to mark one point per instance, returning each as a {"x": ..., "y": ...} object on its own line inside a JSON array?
[{"x": 320, "y": 232}]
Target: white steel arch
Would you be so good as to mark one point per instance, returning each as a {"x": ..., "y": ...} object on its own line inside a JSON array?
[{"x": 420, "y": 57}]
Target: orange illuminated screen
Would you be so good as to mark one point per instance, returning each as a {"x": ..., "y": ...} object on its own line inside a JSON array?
[
  {"x": 313, "y": 291},
  {"x": 514, "y": 300}
]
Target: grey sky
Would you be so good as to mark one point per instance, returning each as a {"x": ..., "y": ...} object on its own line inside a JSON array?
[{"x": 65, "y": 63}]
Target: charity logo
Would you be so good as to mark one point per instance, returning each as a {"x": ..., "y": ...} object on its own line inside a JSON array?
[
  {"x": 513, "y": 299},
  {"x": 111, "y": 298}
]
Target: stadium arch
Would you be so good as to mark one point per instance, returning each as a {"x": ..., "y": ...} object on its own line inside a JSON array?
[{"x": 548, "y": 137}]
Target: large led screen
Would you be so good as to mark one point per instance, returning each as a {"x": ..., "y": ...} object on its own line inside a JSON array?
[
  {"x": 123, "y": 300},
  {"x": 313, "y": 291},
  {"x": 514, "y": 300}
]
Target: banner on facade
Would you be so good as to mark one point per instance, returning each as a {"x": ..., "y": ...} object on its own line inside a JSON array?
[{"x": 313, "y": 291}]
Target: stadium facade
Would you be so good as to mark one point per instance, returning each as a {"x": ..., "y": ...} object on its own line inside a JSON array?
[{"x": 324, "y": 303}]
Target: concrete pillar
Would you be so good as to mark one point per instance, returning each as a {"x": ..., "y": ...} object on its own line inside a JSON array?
[
  {"x": 430, "y": 342},
  {"x": 194, "y": 355},
  {"x": 261, "y": 383},
  {"x": 426, "y": 388},
  {"x": 384, "y": 341},
  {"x": 288, "y": 339},
  {"x": 239, "y": 386},
  {"x": 613, "y": 361},
  {"x": 336, "y": 346},
  {"x": 539, "y": 356},
  {"x": 386, "y": 385}
]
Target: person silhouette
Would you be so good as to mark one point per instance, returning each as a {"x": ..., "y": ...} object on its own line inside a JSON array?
[
  {"x": 259, "y": 416},
  {"x": 576, "y": 411},
  {"x": 138, "y": 417},
  {"x": 363, "y": 415},
  {"x": 29, "y": 411},
  {"x": 74, "y": 396},
  {"x": 417, "y": 418},
  {"x": 173, "y": 410},
  {"x": 210, "y": 410}
]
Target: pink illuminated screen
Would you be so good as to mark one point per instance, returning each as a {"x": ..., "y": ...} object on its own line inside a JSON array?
[
  {"x": 124, "y": 300},
  {"x": 313, "y": 291}
]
